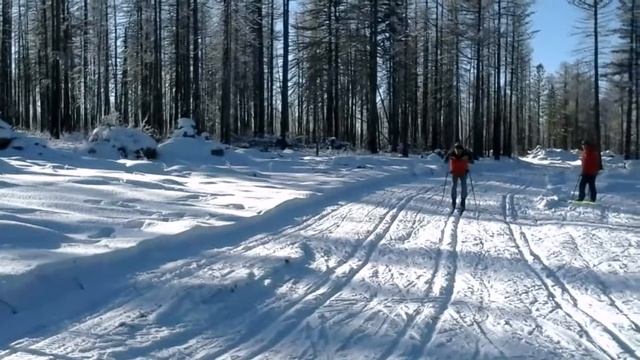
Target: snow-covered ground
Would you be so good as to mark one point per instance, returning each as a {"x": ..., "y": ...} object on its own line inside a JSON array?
[{"x": 287, "y": 255}]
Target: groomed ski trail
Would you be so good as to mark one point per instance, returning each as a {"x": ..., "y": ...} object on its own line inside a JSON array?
[{"x": 389, "y": 274}]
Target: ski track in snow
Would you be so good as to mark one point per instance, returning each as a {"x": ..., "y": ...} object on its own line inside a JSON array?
[
  {"x": 370, "y": 304},
  {"x": 385, "y": 221},
  {"x": 387, "y": 276},
  {"x": 428, "y": 314},
  {"x": 324, "y": 291},
  {"x": 597, "y": 333},
  {"x": 409, "y": 317},
  {"x": 610, "y": 298}
]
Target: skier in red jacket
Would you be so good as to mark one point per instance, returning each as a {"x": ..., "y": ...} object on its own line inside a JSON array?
[
  {"x": 591, "y": 166},
  {"x": 459, "y": 159}
]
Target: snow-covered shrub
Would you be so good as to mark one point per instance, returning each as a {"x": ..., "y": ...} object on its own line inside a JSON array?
[
  {"x": 262, "y": 143},
  {"x": 113, "y": 119},
  {"x": 6, "y": 135},
  {"x": 114, "y": 141},
  {"x": 186, "y": 144},
  {"x": 335, "y": 144},
  {"x": 281, "y": 143},
  {"x": 189, "y": 149},
  {"x": 300, "y": 142},
  {"x": 186, "y": 128}
]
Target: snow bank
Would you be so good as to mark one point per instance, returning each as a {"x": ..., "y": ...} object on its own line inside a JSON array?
[
  {"x": 15, "y": 143},
  {"x": 350, "y": 161},
  {"x": 505, "y": 164},
  {"x": 17, "y": 235},
  {"x": 6, "y": 132},
  {"x": 633, "y": 165},
  {"x": 612, "y": 160},
  {"x": 540, "y": 153},
  {"x": 434, "y": 158},
  {"x": 32, "y": 145}
]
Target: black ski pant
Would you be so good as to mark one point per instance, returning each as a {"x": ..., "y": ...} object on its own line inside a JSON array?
[
  {"x": 454, "y": 190},
  {"x": 584, "y": 181}
]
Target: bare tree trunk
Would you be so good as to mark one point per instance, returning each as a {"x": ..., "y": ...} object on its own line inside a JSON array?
[
  {"x": 5, "y": 62},
  {"x": 372, "y": 123},
  {"x": 456, "y": 119},
  {"x": 497, "y": 116},
  {"x": 425, "y": 80},
  {"x": 637, "y": 86},
  {"x": 336, "y": 73},
  {"x": 86, "y": 120},
  {"x": 630, "y": 85},
  {"x": 393, "y": 86},
  {"x": 437, "y": 87},
  {"x": 116, "y": 97},
  {"x": 538, "y": 119},
  {"x": 271, "y": 120},
  {"x": 284, "y": 121},
  {"x": 28, "y": 98},
  {"x": 157, "y": 114},
  {"x": 67, "y": 125},
  {"x": 185, "y": 88},
  {"x": 404, "y": 125},
  {"x": 44, "y": 85},
  {"x": 258, "y": 72},
  {"x": 576, "y": 120},
  {"x": 124, "y": 105},
  {"x": 512, "y": 89},
  {"x": 225, "y": 106},
  {"x": 56, "y": 91},
  {"x": 565, "y": 112},
  {"x": 107, "y": 73},
  {"x": 415, "y": 133},
  {"x": 195, "y": 68},
  {"x": 478, "y": 146},
  {"x": 329, "y": 117}
]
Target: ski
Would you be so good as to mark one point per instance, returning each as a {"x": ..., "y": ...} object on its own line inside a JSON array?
[{"x": 585, "y": 202}]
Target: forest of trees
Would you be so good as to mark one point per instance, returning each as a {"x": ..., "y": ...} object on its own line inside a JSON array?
[{"x": 383, "y": 75}]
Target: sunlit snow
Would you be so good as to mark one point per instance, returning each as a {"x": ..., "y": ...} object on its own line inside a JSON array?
[{"x": 282, "y": 254}]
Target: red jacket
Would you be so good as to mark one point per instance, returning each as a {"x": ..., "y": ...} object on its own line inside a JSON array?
[
  {"x": 591, "y": 161},
  {"x": 459, "y": 163}
]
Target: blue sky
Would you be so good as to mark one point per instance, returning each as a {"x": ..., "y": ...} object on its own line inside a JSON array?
[{"x": 553, "y": 44}]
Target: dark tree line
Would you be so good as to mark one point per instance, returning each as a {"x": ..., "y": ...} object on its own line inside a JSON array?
[{"x": 393, "y": 75}]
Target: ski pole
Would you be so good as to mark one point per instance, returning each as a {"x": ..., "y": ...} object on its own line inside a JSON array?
[
  {"x": 473, "y": 191},
  {"x": 444, "y": 188},
  {"x": 575, "y": 188}
]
